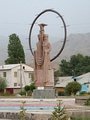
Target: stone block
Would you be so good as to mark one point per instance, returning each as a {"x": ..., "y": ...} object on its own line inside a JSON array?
[{"x": 42, "y": 94}]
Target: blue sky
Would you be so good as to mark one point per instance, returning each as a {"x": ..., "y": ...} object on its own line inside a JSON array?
[{"x": 17, "y": 15}]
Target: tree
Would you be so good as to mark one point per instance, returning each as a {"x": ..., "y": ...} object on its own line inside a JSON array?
[
  {"x": 22, "y": 114},
  {"x": 29, "y": 88},
  {"x": 15, "y": 51},
  {"x": 3, "y": 84},
  {"x": 59, "y": 113},
  {"x": 73, "y": 88},
  {"x": 56, "y": 75},
  {"x": 32, "y": 87},
  {"x": 78, "y": 63},
  {"x": 65, "y": 68}
]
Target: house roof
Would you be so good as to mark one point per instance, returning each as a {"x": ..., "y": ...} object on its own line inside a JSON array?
[
  {"x": 85, "y": 78},
  {"x": 82, "y": 79},
  {"x": 10, "y": 66},
  {"x": 63, "y": 81}
]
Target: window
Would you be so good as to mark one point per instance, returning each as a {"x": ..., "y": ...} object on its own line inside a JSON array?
[
  {"x": 29, "y": 75},
  {"x": 15, "y": 74},
  {"x": 4, "y": 74},
  {"x": 23, "y": 67},
  {"x": 15, "y": 84}
]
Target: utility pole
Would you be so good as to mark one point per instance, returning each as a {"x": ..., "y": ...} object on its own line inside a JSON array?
[{"x": 21, "y": 74}]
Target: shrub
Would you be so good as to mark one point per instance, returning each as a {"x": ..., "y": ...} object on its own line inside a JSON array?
[
  {"x": 7, "y": 94},
  {"x": 87, "y": 102},
  {"x": 83, "y": 93},
  {"x": 27, "y": 88},
  {"x": 32, "y": 87},
  {"x": 61, "y": 93},
  {"x": 3, "y": 84},
  {"x": 88, "y": 93},
  {"x": 73, "y": 87},
  {"x": 22, "y": 92}
]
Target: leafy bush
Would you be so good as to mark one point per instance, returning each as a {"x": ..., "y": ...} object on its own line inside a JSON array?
[
  {"x": 3, "y": 84},
  {"x": 73, "y": 88},
  {"x": 87, "y": 101},
  {"x": 22, "y": 92},
  {"x": 7, "y": 94},
  {"x": 88, "y": 93},
  {"x": 27, "y": 88},
  {"x": 83, "y": 93},
  {"x": 32, "y": 87},
  {"x": 61, "y": 93}
]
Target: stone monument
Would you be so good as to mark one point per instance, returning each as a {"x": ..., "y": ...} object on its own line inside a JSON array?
[{"x": 43, "y": 72}]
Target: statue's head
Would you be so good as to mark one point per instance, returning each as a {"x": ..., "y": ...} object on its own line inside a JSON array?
[{"x": 42, "y": 25}]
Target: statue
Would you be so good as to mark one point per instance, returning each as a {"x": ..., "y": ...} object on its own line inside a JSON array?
[
  {"x": 43, "y": 72},
  {"x": 42, "y": 67}
]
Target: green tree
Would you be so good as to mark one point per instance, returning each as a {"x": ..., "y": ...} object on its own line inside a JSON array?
[
  {"x": 29, "y": 88},
  {"x": 72, "y": 88},
  {"x": 3, "y": 84},
  {"x": 15, "y": 50},
  {"x": 32, "y": 87},
  {"x": 78, "y": 63},
  {"x": 56, "y": 75},
  {"x": 65, "y": 68},
  {"x": 22, "y": 114},
  {"x": 59, "y": 113}
]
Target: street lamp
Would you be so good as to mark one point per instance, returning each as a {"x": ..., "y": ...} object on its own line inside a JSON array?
[{"x": 73, "y": 75}]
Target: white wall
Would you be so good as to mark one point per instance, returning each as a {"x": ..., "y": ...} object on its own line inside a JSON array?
[
  {"x": 8, "y": 77},
  {"x": 22, "y": 74}
]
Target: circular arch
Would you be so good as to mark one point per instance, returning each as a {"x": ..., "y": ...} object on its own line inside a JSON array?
[{"x": 65, "y": 31}]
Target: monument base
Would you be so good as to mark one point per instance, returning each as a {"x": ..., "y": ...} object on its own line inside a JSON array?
[{"x": 44, "y": 93}]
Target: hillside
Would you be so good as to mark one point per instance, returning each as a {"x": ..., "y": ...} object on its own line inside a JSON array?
[{"x": 76, "y": 43}]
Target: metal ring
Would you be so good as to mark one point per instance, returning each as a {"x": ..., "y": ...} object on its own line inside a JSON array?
[{"x": 65, "y": 31}]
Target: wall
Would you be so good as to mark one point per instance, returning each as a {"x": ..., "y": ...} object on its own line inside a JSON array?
[{"x": 60, "y": 89}]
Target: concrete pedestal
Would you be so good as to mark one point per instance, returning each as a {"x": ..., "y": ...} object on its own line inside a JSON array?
[{"x": 44, "y": 93}]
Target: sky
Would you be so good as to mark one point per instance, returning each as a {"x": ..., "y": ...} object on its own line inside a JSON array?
[{"x": 16, "y": 16}]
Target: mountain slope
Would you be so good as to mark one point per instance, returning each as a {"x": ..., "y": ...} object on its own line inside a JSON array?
[{"x": 76, "y": 43}]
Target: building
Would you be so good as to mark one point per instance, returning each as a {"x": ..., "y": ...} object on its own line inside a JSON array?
[
  {"x": 17, "y": 76},
  {"x": 61, "y": 84},
  {"x": 84, "y": 80}
]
